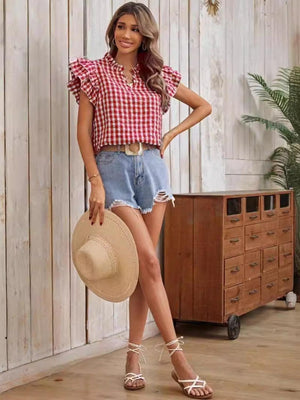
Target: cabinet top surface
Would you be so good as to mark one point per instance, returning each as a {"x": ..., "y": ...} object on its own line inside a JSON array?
[{"x": 235, "y": 192}]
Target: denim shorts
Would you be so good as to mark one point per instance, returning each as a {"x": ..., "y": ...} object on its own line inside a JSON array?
[{"x": 135, "y": 181}]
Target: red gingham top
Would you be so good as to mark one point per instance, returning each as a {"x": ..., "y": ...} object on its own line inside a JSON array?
[{"x": 123, "y": 113}]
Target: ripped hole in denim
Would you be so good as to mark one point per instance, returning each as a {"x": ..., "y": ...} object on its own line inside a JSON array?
[{"x": 161, "y": 196}]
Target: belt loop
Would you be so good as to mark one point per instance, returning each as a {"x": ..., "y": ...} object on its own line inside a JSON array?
[{"x": 119, "y": 149}]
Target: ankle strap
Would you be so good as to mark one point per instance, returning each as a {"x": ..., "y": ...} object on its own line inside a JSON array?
[
  {"x": 138, "y": 349},
  {"x": 171, "y": 351}
]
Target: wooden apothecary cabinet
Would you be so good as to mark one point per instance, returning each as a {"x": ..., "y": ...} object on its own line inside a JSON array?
[{"x": 227, "y": 253}]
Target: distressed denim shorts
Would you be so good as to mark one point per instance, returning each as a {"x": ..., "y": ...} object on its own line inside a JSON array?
[{"x": 133, "y": 180}]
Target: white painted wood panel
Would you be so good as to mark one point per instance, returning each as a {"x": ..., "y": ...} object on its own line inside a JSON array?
[
  {"x": 254, "y": 63},
  {"x": 293, "y": 22},
  {"x": 17, "y": 188},
  {"x": 243, "y": 182},
  {"x": 212, "y": 63},
  {"x": 238, "y": 76},
  {"x": 194, "y": 84},
  {"x": 40, "y": 180},
  {"x": 3, "y": 326},
  {"x": 174, "y": 148},
  {"x": 246, "y": 167},
  {"x": 77, "y": 181},
  {"x": 184, "y": 159},
  {"x": 60, "y": 176},
  {"x": 276, "y": 50},
  {"x": 228, "y": 83}
]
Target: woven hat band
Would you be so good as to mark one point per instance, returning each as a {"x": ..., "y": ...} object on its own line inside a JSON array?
[{"x": 97, "y": 259}]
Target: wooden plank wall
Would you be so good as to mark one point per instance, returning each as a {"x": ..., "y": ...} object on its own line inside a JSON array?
[
  {"x": 45, "y": 309},
  {"x": 261, "y": 37},
  {"x": 3, "y": 300}
]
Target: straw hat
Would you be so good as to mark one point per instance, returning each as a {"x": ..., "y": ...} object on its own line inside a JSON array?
[{"x": 105, "y": 256}]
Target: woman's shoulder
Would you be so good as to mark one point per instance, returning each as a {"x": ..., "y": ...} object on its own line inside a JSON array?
[
  {"x": 86, "y": 62},
  {"x": 172, "y": 77},
  {"x": 170, "y": 73}
]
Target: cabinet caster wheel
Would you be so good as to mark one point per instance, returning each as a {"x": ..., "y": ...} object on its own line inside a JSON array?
[
  {"x": 233, "y": 327},
  {"x": 290, "y": 300}
]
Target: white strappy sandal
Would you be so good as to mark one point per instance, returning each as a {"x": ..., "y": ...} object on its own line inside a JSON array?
[
  {"x": 195, "y": 383},
  {"x": 131, "y": 376}
]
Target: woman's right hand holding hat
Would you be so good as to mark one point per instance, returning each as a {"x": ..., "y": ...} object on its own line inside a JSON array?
[{"x": 97, "y": 200}]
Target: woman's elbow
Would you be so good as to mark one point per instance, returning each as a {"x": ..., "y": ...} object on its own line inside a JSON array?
[{"x": 208, "y": 109}]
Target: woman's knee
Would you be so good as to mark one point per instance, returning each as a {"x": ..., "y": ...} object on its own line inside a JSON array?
[{"x": 149, "y": 266}]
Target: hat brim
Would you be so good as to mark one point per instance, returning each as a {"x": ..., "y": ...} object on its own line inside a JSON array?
[{"x": 116, "y": 232}]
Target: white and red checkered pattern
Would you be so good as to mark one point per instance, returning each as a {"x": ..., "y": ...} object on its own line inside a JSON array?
[{"x": 123, "y": 113}]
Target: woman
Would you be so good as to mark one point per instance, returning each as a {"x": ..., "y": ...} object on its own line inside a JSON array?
[{"x": 121, "y": 100}]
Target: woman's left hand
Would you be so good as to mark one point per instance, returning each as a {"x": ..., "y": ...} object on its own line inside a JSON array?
[{"x": 165, "y": 141}]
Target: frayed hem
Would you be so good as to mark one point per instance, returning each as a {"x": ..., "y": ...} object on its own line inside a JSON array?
[
  {"x": 160, "y": 197},
  {"x": 121, "y": 203}
]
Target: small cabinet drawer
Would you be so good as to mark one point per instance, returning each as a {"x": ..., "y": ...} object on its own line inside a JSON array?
[
  {"x": 268, "y": 207},
  {"x": 252, "y": 264},
  {"x": 234, "y": 300},
  {"x": 285, "y": 229},
  {"x": 233, "y": 242},
  {"x": 234, "y": 270},
  {"x": 269, "y": 286},
  {"x": 261, "y": 234},
  {"x": 285, "y": 205},
  {"x": 233, "y": 215},
  {"x": 270, "y": 258},
  {"x": 285, "y": 254},
  {"x": 253, "y": 241},
  {"x": 251, "y": 294},
  {"x": 252, "y": 213},
  {"x": 269, "y": 237},
  {"x": 285, "y": 279}
]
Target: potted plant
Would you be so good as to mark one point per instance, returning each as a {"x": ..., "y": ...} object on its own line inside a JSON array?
[{"x": 284, "y": 96}]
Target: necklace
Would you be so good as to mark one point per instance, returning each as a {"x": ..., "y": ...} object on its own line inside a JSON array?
[{"x": 128, "y": 77}]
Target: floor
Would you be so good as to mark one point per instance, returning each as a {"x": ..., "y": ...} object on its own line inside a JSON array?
[{"x": 263, "y": 363}]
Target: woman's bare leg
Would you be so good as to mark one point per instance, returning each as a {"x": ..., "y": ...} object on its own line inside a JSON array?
[
  {"x": 138, "y": 307},
  {"x": 153, "y": 289}
]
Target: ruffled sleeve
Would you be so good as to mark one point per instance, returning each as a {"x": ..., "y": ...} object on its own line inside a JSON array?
[
  {"x": 172, "y": 79},
  {"x": 84, "y": 77}
]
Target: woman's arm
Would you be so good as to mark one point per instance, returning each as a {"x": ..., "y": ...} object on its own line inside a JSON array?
[
  {"x": 201, "y": 109},
  {"x": 84, "y": 131}
]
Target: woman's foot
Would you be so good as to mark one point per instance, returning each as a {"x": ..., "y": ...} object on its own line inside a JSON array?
[
  {"x": 184, "y": 371},
  {"x": 133, "y": 379}
]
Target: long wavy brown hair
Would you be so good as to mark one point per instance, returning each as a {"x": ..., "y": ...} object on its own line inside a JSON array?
[{"x": 149, "y": 59}]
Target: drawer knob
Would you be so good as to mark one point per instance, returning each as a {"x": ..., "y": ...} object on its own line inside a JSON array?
[
  {"x": 271, "y": 259},
  {"x": 253, "y": 217},
  {"x": 286, "y": 229},
  {"x": 270, "y": 214},
  {"x": 285, "y": 279},
  {"x": 254, "y": 236},
  {"x": 270, "y": 233},
  {"x": 254, "y": 264},
  {"x": 235, "y": 299},
  {"x": 235, "y": 269},
  {"x": 287, "y": 254},
  {"x": 253, "y": 291},
  {"x": 269, "y": 285},
  {"x": 234, "y": 219},
  {"x": 234, "y": 240}
]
